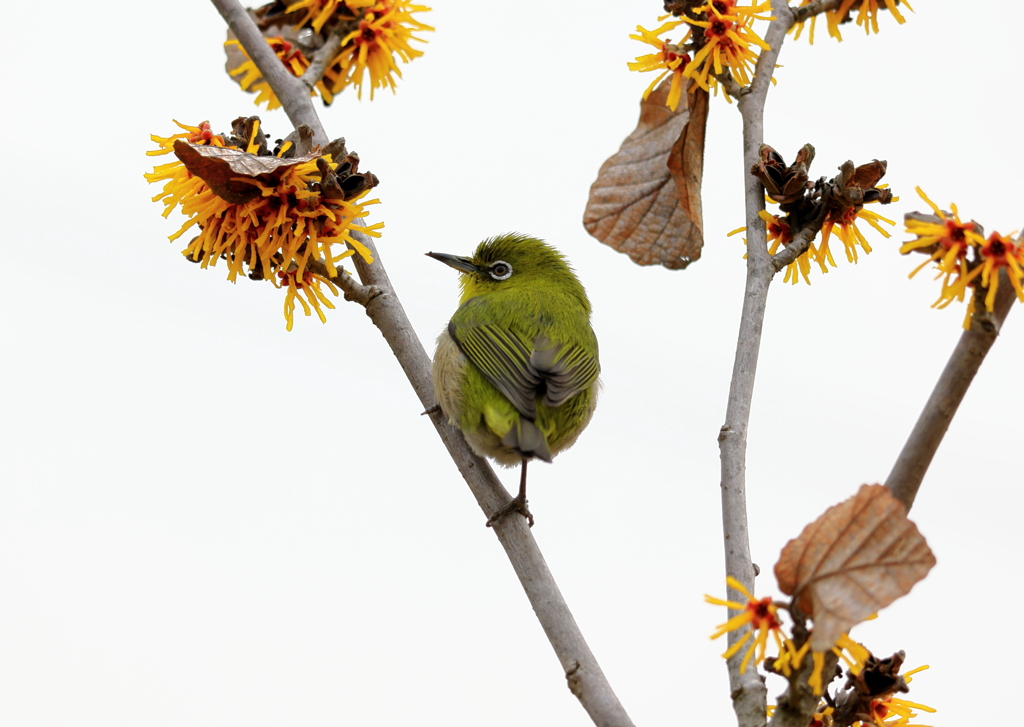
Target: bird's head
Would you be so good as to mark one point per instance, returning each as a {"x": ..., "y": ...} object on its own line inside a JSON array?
[{"x": 513, "y": 261}]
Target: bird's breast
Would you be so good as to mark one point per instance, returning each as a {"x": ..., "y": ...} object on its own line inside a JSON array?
[{"x": 447, "y": 374}]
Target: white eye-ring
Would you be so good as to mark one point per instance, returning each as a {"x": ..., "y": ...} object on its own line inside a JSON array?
[{"x": 500, "y": 270}]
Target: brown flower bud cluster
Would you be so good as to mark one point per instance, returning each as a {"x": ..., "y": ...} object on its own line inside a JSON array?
[{"x": 806, "y": 202}]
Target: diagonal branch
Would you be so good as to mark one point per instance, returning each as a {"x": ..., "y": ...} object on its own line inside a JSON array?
[
  {"x": 800, "y": 242},
  {"x": 913, "y": 461},
  {"x": 583, "y": 674}
]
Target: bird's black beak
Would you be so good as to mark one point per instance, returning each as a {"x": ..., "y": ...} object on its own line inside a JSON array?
[{"x": 459, "y": 263}]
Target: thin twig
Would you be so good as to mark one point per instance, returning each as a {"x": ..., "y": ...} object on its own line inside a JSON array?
[
  {"x": 323, "y": 55},
  {"x": 748, "y": 691},
  {"x": 729, "y": 84},
  {"x": 798, "y": 703},
  {"x": 804, "y": 12},
  {"x": 584, "y": 675},
  {"x": 355, "y": 292},
  {"x": 797, "y": 247},
  {"x": 913, "y": 461},
  {"x": 800, "y": 242}
]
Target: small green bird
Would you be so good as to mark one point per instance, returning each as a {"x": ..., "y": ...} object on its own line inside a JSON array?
[{"x": 516, "y": 370}]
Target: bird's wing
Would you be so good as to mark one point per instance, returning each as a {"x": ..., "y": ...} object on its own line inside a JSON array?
[
  {"x": 523, "y": 365},
  {"x": 504, "y": 359},
  {"x": 568, "y": 369}
]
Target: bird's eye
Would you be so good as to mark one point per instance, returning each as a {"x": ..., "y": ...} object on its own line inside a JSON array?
[{"x": 501, "y": 270}]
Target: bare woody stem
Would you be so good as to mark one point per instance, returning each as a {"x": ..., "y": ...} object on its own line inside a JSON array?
[
  {"x": 748, "y": 690},
  {"x": 913, "y": 461},
  {"x": 805, "y": 12},
  {"x": 800, "y": 243},
  {"x": 583, "y": 674},
  {"x": 318, "y": 63},
  {"x": 797, "y": 705}
]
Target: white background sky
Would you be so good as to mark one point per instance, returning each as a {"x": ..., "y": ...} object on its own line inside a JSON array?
[{"x": 206, "y": 520}]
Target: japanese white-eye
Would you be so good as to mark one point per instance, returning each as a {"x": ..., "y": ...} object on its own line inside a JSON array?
[{"x": 517, "y": 369}]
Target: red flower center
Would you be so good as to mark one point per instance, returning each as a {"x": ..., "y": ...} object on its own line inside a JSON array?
[
  {"x": 956, "y": 235},
  {"x": 366, "y": 32},
  {"x": 997, "y": 249},
  {"x": 717, "y": 29},
  {"x": 761, "y": 613},
  {"x": 879, "y": 709}
]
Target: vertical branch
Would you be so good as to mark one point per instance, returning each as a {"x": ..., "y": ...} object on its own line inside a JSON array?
[
  {"x": 582, "y": 672},
  {"x": 748, "y": 690},
  {"x": 913, "y": 461}
]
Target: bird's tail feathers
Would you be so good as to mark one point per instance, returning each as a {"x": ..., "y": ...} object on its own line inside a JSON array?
[{"x": 527, "y": 439}]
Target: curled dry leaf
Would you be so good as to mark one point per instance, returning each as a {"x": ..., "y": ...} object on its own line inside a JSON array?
[
  {"x": 221, "y": 168},
  {"x": 854, "y": 560},
  {"x": 646, "y": 199}
]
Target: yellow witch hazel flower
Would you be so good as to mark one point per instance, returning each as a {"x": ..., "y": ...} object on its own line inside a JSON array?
[
  {"x": 276, "y": 217},
  {"x": 308, "y": 292},
  {"x": 867, "y": 14},
  {"x": 946, "y": 239},
  {"x": 760, "y": 614},
  {"x": 844, "y": 223},
  {"x": 727, "y": 41},
  {"x": 318, "y": 12},
  {"x": 252, "y": 80},
  {"x": 893, "y": 711},
  {"x": 376, "y": 37},
  {"x": 797, "y": 29},
  {"x": 383, "y": 34},
  {"x": 779, "y": 234},
  {"x": 844, "y": 198},
  {"x": 963, "y": 258},
  {"x": 854, "y": 654},
  {"x": 668, "y": 59},
  {"x": 866, "y": 17},
  {"x": 726, "y": 36},
  {"x": 201, "y": 135}
]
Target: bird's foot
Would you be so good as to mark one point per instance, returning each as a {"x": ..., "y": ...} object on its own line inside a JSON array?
[{"x": 519, "y": 504}]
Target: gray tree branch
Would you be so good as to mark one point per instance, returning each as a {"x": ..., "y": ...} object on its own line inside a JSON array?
[
  {"x": 583, "y": 673},
  {"x": 796, "y": 247},
  {"x": 907, "y": 473},
  {"x": 808, "y": 11},
  {"x": 324, "y": 54},
  {"x": 748, "y": 691}
]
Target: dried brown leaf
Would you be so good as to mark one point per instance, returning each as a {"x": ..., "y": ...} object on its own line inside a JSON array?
[
  {"x": 220, "y": 168},
  {"x": 854, "y": 560},
  {"x": 686, "y": 161},
  {"x": 646, "y": 199}
]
